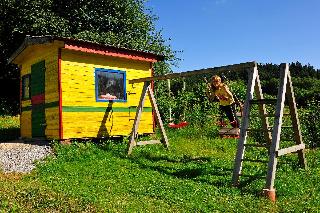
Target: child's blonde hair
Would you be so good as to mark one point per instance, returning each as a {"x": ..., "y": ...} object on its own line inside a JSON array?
[{"x": 215, "y": 78}]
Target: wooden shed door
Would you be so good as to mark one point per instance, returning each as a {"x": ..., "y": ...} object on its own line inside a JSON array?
[{"x": 38, "y": 99}]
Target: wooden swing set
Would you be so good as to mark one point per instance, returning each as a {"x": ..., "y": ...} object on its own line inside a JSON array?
[{"x": 254, "y": 96}]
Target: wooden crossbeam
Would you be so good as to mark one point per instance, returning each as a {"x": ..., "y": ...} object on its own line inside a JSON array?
[
  {"x": 141, "y": 143},
  {"x": 228, "y": 131},
  {"x": 291, "y": 149},
  {"x": 264, "y": 101},
  {"x": 234, "y": 67}
]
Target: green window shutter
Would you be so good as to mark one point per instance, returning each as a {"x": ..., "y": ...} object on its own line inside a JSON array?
[{"x": 38, "y": 78}]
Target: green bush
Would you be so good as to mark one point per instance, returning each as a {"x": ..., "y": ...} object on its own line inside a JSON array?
[
  {"x": 192, "y": 104},
  {"x": 310, "y": 125},
  {"x": 9, "y": 127}
]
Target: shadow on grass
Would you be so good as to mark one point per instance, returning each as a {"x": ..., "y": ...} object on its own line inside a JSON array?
[
  {"x": 9, "y": 134},
  {"x": 199, "y": 169},
  {"x": 207, "y": 170}
]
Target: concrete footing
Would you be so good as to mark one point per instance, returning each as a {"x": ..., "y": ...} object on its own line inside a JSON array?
[{"x": 270, "y": 193}]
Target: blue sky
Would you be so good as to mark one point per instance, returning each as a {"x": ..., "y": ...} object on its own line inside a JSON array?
[{"x": 219, "y": 32}]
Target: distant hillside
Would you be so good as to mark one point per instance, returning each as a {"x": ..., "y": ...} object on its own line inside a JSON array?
[{"x": 306, "y": 80}]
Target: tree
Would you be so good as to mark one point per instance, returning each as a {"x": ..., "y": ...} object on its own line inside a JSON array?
[{"x": 123, "y": 23}]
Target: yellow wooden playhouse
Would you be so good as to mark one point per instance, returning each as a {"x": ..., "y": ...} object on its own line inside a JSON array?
[{"x": 78, "y": 89}]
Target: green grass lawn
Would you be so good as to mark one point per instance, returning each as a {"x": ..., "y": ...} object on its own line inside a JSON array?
[
  {"x": 194, "y": 175},
  {"x": 9, "y": 127}
]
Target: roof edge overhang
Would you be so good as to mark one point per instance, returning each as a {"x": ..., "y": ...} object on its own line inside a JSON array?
[
  {"x": 88, "y": 47},
  {"x": 28, "y": 41}
]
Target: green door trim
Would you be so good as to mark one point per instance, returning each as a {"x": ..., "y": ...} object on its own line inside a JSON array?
[{"x": 38, "y": 120}]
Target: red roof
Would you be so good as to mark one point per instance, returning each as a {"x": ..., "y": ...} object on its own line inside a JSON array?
[{"x": 89, "y": 47}]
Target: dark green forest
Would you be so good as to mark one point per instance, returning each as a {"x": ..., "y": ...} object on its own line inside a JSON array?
[{"x": 122, "y": 23}]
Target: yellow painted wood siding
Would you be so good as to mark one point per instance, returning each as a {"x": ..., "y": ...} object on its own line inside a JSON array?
[
  {"x": 25, "y": 125},
  {"x": 97, "y": 124},
  {"x": 52, "y": 121},
  {"x": 78, "y": 94},
  {"x": 30, "y": 56}
]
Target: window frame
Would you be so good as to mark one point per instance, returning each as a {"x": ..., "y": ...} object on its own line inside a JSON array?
[
  {"x": 97, "y": 70},
  {"x": 23, "y": 85}
]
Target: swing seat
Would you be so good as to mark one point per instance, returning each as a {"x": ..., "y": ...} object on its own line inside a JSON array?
[
  {"x": 179, "y": 125},
  {"x": 229, "y": 132},
  {"x": 231, "y": 136},
  {"x": 221, "y": 124}
]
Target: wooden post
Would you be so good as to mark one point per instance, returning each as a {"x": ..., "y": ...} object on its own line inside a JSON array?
[
  {"x": 253, "y": 72},
  {"x": 234, "y": 67},
  {"x": 272, "y": 165}
]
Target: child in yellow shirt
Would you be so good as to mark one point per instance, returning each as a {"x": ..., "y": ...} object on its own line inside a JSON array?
[{"x": 219, "y": 90}]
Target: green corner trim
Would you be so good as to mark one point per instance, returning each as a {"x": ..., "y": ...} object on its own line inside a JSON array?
[
  {"x": 102, "y": 109},
  {"x": 46, "y": 105}
]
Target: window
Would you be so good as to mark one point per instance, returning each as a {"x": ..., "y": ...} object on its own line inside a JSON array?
[
  {"x": 110, "y": 85},
  {"x": 26, "y": 87}
]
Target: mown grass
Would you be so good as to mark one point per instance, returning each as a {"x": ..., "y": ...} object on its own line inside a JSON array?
[
  {"x": 194, "y": 175},
  {"x": 9, "y": 127}
]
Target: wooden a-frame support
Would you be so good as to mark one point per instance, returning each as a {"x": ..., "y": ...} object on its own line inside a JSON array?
[
  {"x": 273, "y": 140},
  {"x": 132, "y": 140},
  {"x": 147, "y": 89}
]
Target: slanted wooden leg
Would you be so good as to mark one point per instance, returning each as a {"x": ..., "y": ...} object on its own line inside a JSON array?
[
  {"x": 295, "y": 121},
  {"x": 272, "y": 165},
  {"x": 164, "y": 139},
  {"x": 263, "y": 112},
  {"x": 136, "y": 122},
  {"x": 244, "y": 126}
]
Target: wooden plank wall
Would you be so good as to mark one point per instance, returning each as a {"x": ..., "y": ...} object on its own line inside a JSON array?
[
  {"x": 82, "y": 115},
  {"x": 32, "y": 55}
]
